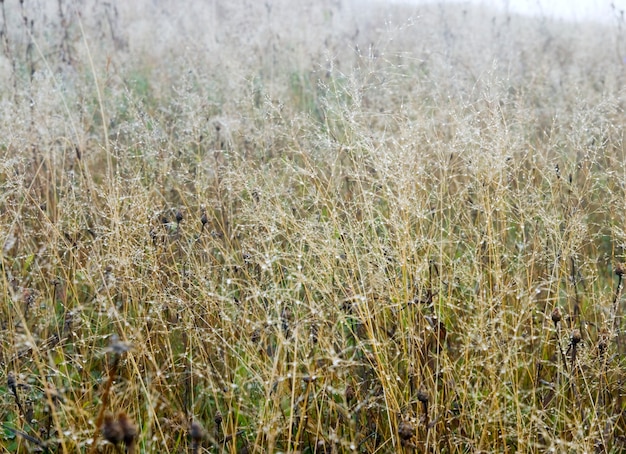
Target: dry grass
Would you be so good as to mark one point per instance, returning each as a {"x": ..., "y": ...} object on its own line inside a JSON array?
[{"x": 312, "y": 228}]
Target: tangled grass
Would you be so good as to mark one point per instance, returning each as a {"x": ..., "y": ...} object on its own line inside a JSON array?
[{"x": 308, "y": 229}]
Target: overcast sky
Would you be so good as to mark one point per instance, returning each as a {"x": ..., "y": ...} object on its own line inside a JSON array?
[{"x": 575, "y": 10}]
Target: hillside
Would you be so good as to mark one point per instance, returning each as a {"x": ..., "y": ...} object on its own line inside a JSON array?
[{"x": 315, "y": 227}]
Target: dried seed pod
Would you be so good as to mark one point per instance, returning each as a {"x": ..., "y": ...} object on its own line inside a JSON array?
[{"x": 620, "y": 269}]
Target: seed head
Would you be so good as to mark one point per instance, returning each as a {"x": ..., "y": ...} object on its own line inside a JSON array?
[
  {"x": 111, "y": 430},
  {"x": 196, "y": 432},
  {"x": 12, "y": 383},
  {"x": 576, "y": 337},
  {"x": 116, "y": 346},
  {"x": 322, "y": 448},
  {"x": 119, "y": 429},
  {"x": 602, "y": 345},
  {"x": 422, "y": 396},
  {"x": 350, "y": 394},
  {"x": 255, "y": 337},
  {"x": 603, "y": 341},
  {"x": 218, "y": 418},
  {"x": 129, "y": 429},
  {"x": 556, "y": 315},
  {"x": 406, "y": 430},
  {"x": 620, "y": 269}
]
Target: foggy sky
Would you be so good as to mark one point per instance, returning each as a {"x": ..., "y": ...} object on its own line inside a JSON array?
[{"x": 573, "y": 10}]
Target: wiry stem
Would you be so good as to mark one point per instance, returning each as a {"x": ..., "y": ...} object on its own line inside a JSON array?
[
  {"x": 619, "y": 270},
  {"x": 105, "y": 401}
]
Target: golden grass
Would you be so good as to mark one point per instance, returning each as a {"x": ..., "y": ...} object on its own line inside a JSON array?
[{"x": 311, "y": 228}]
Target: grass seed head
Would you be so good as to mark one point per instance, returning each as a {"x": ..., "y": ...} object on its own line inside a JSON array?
[{"x": 356, "y": 236}]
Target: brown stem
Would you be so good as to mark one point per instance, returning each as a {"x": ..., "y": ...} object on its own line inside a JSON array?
[
  {"x": 105, "y": 401},
  {"x": 558, "y": 343},
  {"x": 618, "y": 292}
]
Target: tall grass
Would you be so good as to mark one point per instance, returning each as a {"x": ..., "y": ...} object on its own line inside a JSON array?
[{"x": 310, "y": 228}]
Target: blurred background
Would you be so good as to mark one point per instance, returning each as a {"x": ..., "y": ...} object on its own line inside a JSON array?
[{"x": 571, "y": 10}]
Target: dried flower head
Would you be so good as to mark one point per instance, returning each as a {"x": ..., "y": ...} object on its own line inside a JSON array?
[
  {"x": 117, "y": 346},
  {"x": 350, "y": 393},
  {"x": 129, "y": 429},
  {"x": 12, "y": 383},
  {"x": 406, "y": 430},
  {"x": 620, "y": 268},
  {"x": 322, "y": 447},
  {"x": 119, "y": 429},
  {"x": 556, "y": 315},
  {"x": 576, "y": 337},
  {"x": 111, "y": 430},
  {"x": 196, "y": 431}
]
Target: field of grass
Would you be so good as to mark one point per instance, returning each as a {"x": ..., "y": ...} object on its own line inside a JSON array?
[{"x": 235, "y": 226}]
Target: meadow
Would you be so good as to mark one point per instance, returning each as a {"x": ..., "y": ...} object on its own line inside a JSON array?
[{"x": 310, "y": 227}]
